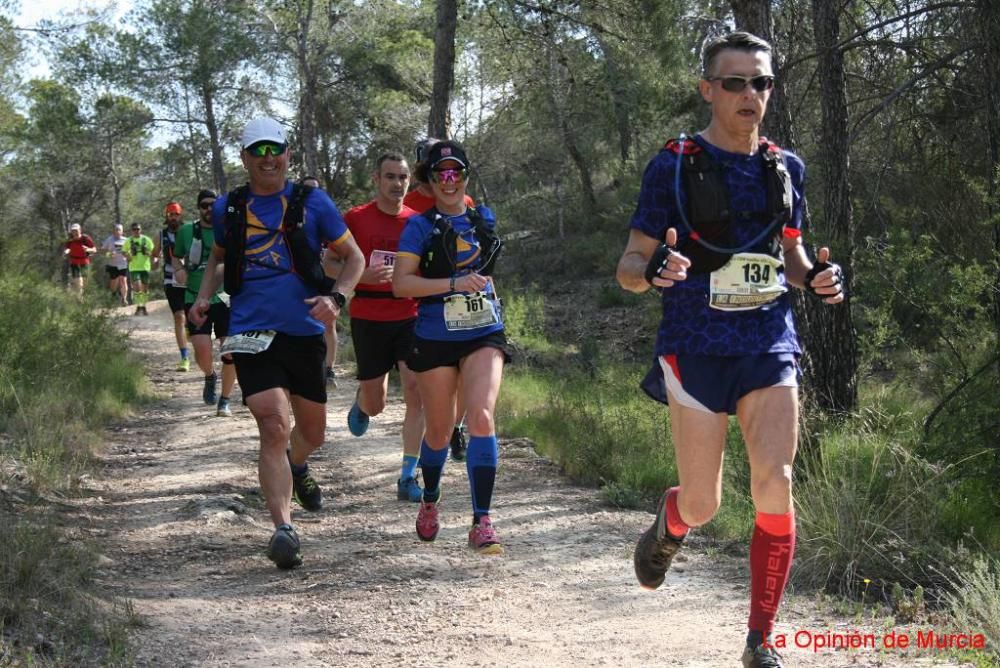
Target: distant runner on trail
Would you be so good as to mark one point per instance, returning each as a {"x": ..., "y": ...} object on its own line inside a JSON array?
[
  {"x": 726, "y": 344},
  {"x": 117, "y": 265},
  {"x": 138, "y": 250},
  {"x": 445, "y": 259},
  {"x": 267, "y": 244},
  {"x": 174, "y": 290},
  {"x": 192, "y": 248},
  {"x": 381, "y": 323},
  {"x": 78, "y": 249}
]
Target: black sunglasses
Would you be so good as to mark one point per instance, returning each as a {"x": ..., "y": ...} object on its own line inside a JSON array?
[
  {"x": 206, "y": 204},
  {"x": 737, "y": 84}
]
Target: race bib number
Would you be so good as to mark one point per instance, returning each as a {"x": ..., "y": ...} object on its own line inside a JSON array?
[
  {"x": 381, "y": 258},
  {"x": 748, "y": 281},
  {"x": 470, "y": 311},
  {"x": 252, "y": 342}
]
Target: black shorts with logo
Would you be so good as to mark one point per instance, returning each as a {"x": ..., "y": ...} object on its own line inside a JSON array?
[
  {"x": 427, "y": 354},
  {"x": 378, "y": 345},
  {"x": 295, "y": 363},
  {"x": 217, "y": 318}
]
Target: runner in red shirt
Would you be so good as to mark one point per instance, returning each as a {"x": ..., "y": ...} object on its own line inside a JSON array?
[
  {"x": 381, "y": 324},
  {"x": 78, "y": 249}
]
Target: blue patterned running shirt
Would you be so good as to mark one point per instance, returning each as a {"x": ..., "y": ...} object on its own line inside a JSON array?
[{"x": 689, "y": 324}]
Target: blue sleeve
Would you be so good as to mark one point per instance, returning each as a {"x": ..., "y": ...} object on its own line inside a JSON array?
[
  {"x": 219, "y": 220},
  {"x": 329, "y": 224},
  {"x": 415, "y": 235},
  {"x": 489, "y": 218},
  {"x": 656, "y": 208}
]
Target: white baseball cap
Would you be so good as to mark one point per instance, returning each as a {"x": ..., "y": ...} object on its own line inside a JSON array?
[
  {"x": 263, "y": 129},
  {"x": 74, "y": 226}
]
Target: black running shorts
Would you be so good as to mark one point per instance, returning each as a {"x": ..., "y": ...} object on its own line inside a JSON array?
[
  {"x": 175, "y": 298},
  {"x": 426, "y": 354},
  {"x": 294, "y": 363},
  {"x": 378, "y": 345},
  {"x": 115, "y": 272},
  {"x": 218, "y": 319}
]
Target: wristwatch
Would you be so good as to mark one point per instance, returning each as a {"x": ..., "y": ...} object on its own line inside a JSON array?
[{"x": 338, "y": 299}]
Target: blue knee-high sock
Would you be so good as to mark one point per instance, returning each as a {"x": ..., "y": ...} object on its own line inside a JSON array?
[
  {"x": 481, "y": 463},
  {"x": 409, "y": 469},
  {"x": 431, "y": 466}
]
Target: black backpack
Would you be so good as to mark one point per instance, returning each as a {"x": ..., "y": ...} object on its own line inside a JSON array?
[{"x": 438, "y": 261}]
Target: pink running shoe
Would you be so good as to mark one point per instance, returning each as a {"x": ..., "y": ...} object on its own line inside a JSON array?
[
  {"x": 427, "y": 521},
  {"x": 483, "y": 537}
]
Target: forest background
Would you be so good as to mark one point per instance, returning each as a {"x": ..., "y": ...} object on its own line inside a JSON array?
[{"x": 894, "y": 105}]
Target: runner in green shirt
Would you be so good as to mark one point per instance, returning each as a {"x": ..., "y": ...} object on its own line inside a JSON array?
[
  {"x": 138, "y": 250},
  {"x": 192, "y": 247}
]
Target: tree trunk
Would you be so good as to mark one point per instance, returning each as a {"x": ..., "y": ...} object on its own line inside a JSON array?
[
  {"x": 754, "y": 16},
  {"x": 557, "y": 68},
  {"x": 831, "y": 350},
  {"x": 218, "y": 170},
  {"x": 308, "y": 85},
  {"x": 620, "y": 98},
  {"x": 989, "y": 25},
  {"x": 439, "y": 121}
]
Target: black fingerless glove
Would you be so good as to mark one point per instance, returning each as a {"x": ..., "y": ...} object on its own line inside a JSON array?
[
  {"x": 814, "y": 272},
  {"x": 658, "y": 262}
]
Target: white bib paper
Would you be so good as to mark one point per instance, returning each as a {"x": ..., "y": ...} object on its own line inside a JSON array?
[
  {"x": 469, "y": 311},
  {"x": 381, "y": 258},
  {"x": 252, "y": 342},
  {"x": 748, "y": 281}
]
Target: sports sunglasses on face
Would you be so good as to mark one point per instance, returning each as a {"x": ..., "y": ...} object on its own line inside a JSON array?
[
  {"x": 449, "y": 175},
  {"x": 261, "y": 149},
  {"x": 737, "y": 84},
  {"x": 207, "y": 204}
]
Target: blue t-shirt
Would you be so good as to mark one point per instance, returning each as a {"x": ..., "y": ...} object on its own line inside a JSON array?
[
  {"x": 689, "y": 324},
  {"x": 436, "y": 320},
  {"x": 272, "y": 296}
]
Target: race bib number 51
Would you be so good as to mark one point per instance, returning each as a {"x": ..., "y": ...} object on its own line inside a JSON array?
[
  {"x": 381, "y": 258},
  {"x": 748, "y": 281},
  {"x": 470, "y": 311},
  {"x": 252, "y": 342}
]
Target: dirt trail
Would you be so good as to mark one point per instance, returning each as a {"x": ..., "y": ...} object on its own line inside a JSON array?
[{"x": 181, "y": 514}]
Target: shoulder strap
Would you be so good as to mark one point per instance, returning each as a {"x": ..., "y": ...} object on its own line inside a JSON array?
[
  {"x": 235, "y": 238},
  {"x": 779, "y": 181}
]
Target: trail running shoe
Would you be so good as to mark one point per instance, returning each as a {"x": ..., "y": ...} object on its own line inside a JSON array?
[
  {"x": 222, "y": 409},
  {"x": 458, "y": 444},
  {"x": 761, "y": 657},
  {"x": 407, "y": 489},
  {"x": 357, "y": 421},
  {"x": 331, "y": 377},
  {"x": 306, "y": 492},
  {"x": 427, "y": 521},
  {"x": 483, "y": 537},
  {"x": 283, "y": 549},
  {"x": 184, "y": 364},
  {"x": 138, "y": 310},
  {"x": 655, "y": 549},
  {"x": 208, "y": 393}
]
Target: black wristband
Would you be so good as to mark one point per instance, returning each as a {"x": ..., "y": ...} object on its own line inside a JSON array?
[
  {"x": 658, "y": 262},
  {"x": 815, "y": 271}
]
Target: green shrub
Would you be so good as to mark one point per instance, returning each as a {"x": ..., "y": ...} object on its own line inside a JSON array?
[{"x": 974, "y": 602}]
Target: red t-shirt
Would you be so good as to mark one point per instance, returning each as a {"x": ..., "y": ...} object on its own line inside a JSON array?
[
  {"x": 78, "y": 256},
  {"x": 377, "y": 234},
  {"x": 420, "y": 202}
]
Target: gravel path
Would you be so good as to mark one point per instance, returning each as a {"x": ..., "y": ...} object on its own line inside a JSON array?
[{"x": 181, "y": 513}]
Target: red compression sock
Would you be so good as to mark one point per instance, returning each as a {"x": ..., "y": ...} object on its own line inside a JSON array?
[
  {"x": 675, "y": 525},
  {"x": 771, "y": 550}
]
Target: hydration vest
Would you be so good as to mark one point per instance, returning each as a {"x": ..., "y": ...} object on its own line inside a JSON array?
[
  {"x": 305, "y": 261},
  {"x": 708, "y": 203},
  {"x": 438, "y": 261}
]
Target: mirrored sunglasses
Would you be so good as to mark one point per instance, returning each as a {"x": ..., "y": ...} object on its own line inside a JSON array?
[
  {"x": 737, "y": 84},
  {"x": 449, "y": 175},
  {"x": 261, "y": 149}
]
